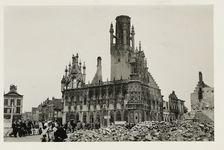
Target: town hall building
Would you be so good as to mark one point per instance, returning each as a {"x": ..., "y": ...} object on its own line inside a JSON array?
[{"x": 131, "y": 94}]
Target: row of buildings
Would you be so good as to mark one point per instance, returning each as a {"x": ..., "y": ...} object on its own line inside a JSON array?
[
  {"x": 131, "y": 95},
  {"x": 13, "y": 106}
]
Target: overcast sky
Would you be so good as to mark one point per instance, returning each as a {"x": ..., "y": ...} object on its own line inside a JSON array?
[{"x": 39, "y": 42}]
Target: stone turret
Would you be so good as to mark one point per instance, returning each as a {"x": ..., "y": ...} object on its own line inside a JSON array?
[
  {"x": 84, "y": 73},
  {"x": 98, "y": 76}
]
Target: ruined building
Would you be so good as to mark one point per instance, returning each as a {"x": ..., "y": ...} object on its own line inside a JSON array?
[
  {"x": 176, "y": 107},
  {"x": 131, "y": 95},
  {"x": 202, "y": 101}
]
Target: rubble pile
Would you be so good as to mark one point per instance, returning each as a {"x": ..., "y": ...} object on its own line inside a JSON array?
[{"x": 149, "y": 131}]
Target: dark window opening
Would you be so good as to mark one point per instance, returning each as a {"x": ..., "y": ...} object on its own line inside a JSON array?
[
  {"x": 18, "y": 102},
  {"x": 85, "y": 100},
  {"x": 5, "y": 102},
  {"x": 12, "y": 102},
  {"x": 17, "y": 109}
]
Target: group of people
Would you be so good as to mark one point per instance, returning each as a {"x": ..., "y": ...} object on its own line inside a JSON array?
[
  {"x": 72, "y": 125},
  {"x": 52, "y": 131},
  {"x": 22, "y": 128}
]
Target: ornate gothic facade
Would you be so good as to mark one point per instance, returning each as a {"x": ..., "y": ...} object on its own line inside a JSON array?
[{"x": 131, "y": 95}]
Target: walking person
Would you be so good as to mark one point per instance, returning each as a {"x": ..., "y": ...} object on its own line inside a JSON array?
[
  {"x": 19, "y": 128},
  {"x": 40, "y": 127},
  {"x": 24, "y": 128},
  {"x": 14, "y": 131},
  {"x": 44, "y": 133}
]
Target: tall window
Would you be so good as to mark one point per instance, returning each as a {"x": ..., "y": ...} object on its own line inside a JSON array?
[
  {"x": 85, "y": 100},
  {"x": 72, "y": 99},
  {"x": 126, "y": 116},
  {"x": 118, "y": 116},
  {"x": 5, "y": 102},
  {"x": 118, "y": 57},
  {"x": 77, "y": 117},
  {"x": 12, "y": 102},
  {"x": 77, "y": 98},
  {"x": 66, "y": 101},
  {"x": 91, "y": 118},
  {"x": 5, "y": 110},
  {"x": 200, "y": 96},
  {"x": 111, "y": 117},
  {"x": 132, "y": 97},
  {"x": 129, "y": 57},
  {"x": 98, "y": 118},
  {"x": 84, "y": 117},
  {"x": 18, "y": 102}
]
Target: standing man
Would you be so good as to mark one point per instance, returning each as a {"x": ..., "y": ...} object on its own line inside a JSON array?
[
  {"x": 19, "y": 128},
  {"x": 14, "y": 131}
]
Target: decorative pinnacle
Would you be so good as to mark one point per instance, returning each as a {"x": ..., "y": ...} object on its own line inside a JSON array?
[
  {"x": 73, "y": 56},
  {"x": 133, "y": 30},
  {"x": 111, "y": 28},
  {"x": 140, "y": 47},
  {"x": 80, "y": 62},
  {"x": 77, "y": 55},
  {"x": 66, "y": 70},
  {"x": 69, "y": 64},
  {"x": 84, "y": 67}
]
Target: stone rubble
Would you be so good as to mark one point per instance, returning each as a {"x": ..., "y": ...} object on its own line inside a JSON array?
[{"x": 148, "y": 131}]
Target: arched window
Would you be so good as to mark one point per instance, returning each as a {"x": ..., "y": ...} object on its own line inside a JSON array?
[
  {"x": 111, "y": 117},
  {"x": 143, "y": 116},
  {"x": 200, "y": 96},
  {"x": 77, "y": 117},
  {"x": 72, "y": 99},
  {"x": 78, "y": 84},
  {"x": 77, "y": 98},
  {"x": 132, "y": 97},
  {"x": 72, "y": 116},
  {"x": 67, "y": 117},
  {"x": 98, "y": 117},
  {"x": 129, "y": 57},
  {"x": 118, "y": 117},
  {"x": 118, "y": 57},
  {"x": 74, "y": 83},
  {"x": 84, "y": 117},
  {"x": 126, "y": 116},
  {"x": 66, "y": 101},
  {"x": 91, "y": 118},
  {"x": 85, "y": 100}
]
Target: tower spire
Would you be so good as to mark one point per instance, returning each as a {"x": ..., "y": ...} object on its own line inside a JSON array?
[
  {"x": 200, "y": 77},
  {"x": 66, "y": 70},
  {"x": 69, "y": 66},
  {"x": 111, "y": 28},
  {"x": 133, "y": 37},
  {"x": 140, "y": 47},
  {"x": 73, "y": 59}
]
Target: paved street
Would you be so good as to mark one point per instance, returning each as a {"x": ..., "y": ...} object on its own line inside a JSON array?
[{"x": 34, "y": 138}]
